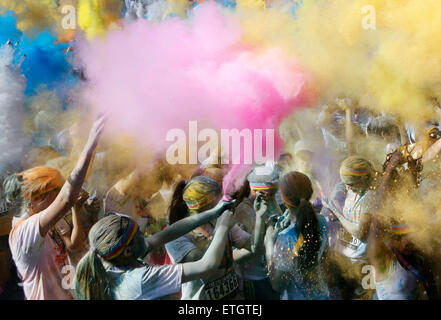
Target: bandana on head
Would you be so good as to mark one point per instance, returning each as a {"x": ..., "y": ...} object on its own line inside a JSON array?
[
  {"x": 118, "y": 248},
  {"x": 264, "y": 178},
  {"x": 353, "y": 168},
  {"x": 200, "y": 192}
]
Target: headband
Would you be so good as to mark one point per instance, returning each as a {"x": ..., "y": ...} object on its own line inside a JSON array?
[
  {"x": 44, "y": 191},
  {"x": 118, "y": 248},
  {"x": 358, "y": 172},
  {"x": 262, "y": 186},
  {"x": 286, "y": 201},
  {"x": 199, "y": 205},
  {"x": 399, "y": 229}
]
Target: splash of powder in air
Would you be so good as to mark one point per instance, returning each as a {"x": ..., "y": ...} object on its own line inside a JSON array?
[
  {"x": 12, "y": 85},
  {"x": 154, "y": 78}
]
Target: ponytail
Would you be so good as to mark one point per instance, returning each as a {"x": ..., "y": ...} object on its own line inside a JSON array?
[
  {"x": 178, "y": 208},
  {"x": 107, "y": 238},
  {"x": 308, "y": 244},
  {"x": 91, "y": 279}
]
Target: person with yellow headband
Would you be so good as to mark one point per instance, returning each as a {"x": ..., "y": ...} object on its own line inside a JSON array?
[
  {"x": 295, "y": 255},
  {"x": 113, "y": 269},
  {"x": 38, "y": 253},
  {"x": 195, "y": 197}
]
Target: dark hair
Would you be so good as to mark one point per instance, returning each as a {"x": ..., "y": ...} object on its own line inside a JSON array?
[
  {"x": 297, "y": 189},
  {"x": 178, "y": 208}
]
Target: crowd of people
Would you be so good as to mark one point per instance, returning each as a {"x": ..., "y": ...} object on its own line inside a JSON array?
[
  {"x": 348, "y": 211},
  {"x": 289, "y": 232}
]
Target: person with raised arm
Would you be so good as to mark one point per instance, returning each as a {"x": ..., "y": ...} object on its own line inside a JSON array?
[
  {"x": 112, "y": 269},
  {"x": 38, "y": 250}
]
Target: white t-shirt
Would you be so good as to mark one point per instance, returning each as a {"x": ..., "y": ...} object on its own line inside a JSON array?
[
  {"x": 398, "y": 284},
  {"x": 146, "y": 282},
  {"x": 223, "y": 279},
  {"x": 38, "y": 260}
]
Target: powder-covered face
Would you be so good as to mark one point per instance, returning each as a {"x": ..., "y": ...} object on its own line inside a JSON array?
[
  {"x": 138, "y": 247},
  {"x": 358, "y": 186},
  {"x": 266, "y": 194},
  {"x": 211, "y": 205}
]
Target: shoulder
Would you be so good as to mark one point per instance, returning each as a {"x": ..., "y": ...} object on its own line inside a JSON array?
[{"x": 288, "y": 234}]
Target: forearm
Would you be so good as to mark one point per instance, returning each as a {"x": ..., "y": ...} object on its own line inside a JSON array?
[
  {"x": 211, "y": 259},
  {"x": 180, "y": 228},
  {"x": 273, "y": 207},
  {"x": 377, "y": 253},
  {"x": 77, "y": 236},
  {"x": 349, "y": 132},
  {"x": 256, "y": 247},
  {"x": 432, "y": 151},
  {"x": 269, "y": 250},
  {"x": 69, "y": 192},
  {"x": 72, "y": 187},
  {"x": 403, "y": 134}
]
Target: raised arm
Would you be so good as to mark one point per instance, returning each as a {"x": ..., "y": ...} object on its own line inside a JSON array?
[
  {"x": 75, "y": 239},
  {"x": 71, "y": 188},
  {"x": 214, "y": 254},
  {"x": 256, "y": 247},
  {"x": 404, "y": 137},
  {"x": 184, "y": 226},
  {"x": 432, "y": 151},
  {"x": 349, "y": 131},
  {"x": 379, "y": 254}
]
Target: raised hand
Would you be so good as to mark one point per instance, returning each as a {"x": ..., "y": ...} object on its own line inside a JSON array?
[
  {"x": 224, "y": 205},
  {"x": 260, "y": 205},
  {"x": 97, "y": 130},
  {"x": 226, "y": 220}
]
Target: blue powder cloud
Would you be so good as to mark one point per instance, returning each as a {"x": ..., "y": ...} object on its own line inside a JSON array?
[{"x": 46, "y": 62}]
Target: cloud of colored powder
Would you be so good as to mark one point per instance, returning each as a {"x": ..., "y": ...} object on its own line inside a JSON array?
[{"x": 154, "y": 78}]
